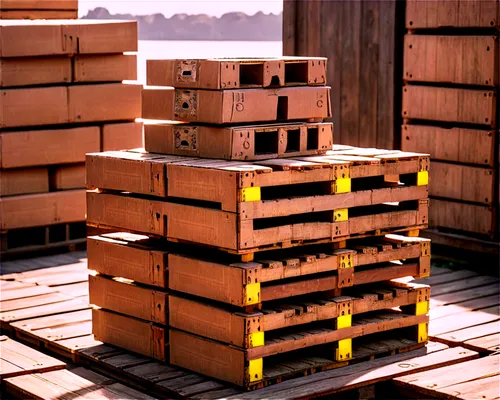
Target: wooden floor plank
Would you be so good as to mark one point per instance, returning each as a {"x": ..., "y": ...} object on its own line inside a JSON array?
[
  {"x": 9, "y": 285},
  {"x": 456, "y": 286},
  {"x": 471, "y": 305},
  {"x": 484, "y": 389},
  {"x": 463, "y": 376},
  {"x": 66, "y": 385},
  {"x": 474, "y": 332},
  {"x": 29, "y": 291},
  {"x": 463, "y": 320},
  {"x": 464, "y": 295},
  {"x": 27, "y": 302},
  {"x": 17, "y": 359},
  {"x": 490, "y": 343},
  {"x": 74, "y": 290},
  {"x": 362, "y": 374},
  {"x": 53, "y": 320},
  {"x": 435, "y": 280}
]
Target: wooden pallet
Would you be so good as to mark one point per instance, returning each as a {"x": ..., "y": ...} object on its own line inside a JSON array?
[
  {"x": 229, "y": 73},
  {"x": 272, "y": 276},
  {"x": 22, "y": 241},
  {"x": 257, "y": 142},
  {"x": 236, "y": 106}
]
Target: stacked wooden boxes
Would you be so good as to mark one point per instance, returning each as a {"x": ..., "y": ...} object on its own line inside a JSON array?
[
  {"x": 450, "y": 104},
  {"x": 39, "y": 9},
  {"x": 255, "y": 252},
  {"x": 62, "y": 96}
]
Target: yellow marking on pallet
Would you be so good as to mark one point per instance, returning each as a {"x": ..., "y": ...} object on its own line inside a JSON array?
[
  {"x": 250, "y": 194},
  {"x": 342, "y": 214},
  {"x": 422, "y": 178},
  {"x": 345, "y": 262},
  {"x": 344, "y": 321},
  {"x": 342, "y": 185},
  {"x": 414, "y": 233},
  {"x": 422, "y": 332},
  {"x": 247, "y": 257},
  {"x": 255, "y": 339},
  {"x": 343, "y": 351},
  {"x": 255, "y": 370},
  {"x": 252, "y": 294},
  {"x": 422, "y": 308}
]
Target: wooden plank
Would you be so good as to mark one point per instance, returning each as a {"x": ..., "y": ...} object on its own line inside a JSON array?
[
  {"x": 119, "y": 136},
  {"x": 42, "y": 209},
  {"x": 329, "y": 382},
  {"x": 449, "y": 105},
  {"x": 289, "y": 40},
  {"x": 68, "y": 177},
  {"x": 39, "y": 5},
  {"x": 457, "y": 14},
  {"x": 24, "y": 292},
  {"x": 456, "y": 381},
  {"x": 18, "y": 304},
  {"x": 463, "y": 320},
  {"x": 464, "y": 295},
  {"x": 463, "y": 284},
  {"x": 471, "y": 305},
  {"x": 462, "y": 216},
  {"x": 38, "y": 14},
  {"x": 473, "y": 332},
  {"x": 67, "y": 385},
  {"x": 489, "y": 343},
  {"x": 468, "y": 146},
  {"x": 462, "y": 182},
  {"x": 17, "y": 359},
  {"x": 467, "y": 60},
  {"x": 44, "y": 310},
  {"x": 451, "y": 276}
]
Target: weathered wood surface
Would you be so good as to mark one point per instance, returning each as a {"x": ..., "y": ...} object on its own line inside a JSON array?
[{"x": 359, "y": 38}]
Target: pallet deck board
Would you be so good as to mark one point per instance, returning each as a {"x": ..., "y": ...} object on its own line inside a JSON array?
[{"x": 17, "y": 359}]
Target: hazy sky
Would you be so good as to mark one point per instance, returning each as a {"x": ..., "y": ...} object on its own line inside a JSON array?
[{"x": 170, "y": 7}]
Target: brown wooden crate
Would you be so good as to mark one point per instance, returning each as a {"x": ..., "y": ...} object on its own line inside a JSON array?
[
  {"x": 468, "y": 60},
  {"x": 47, "y": 147},
  {"x": 236, "y": 73},
  {"x": 127, "y": 298},
  {"x": 469, "y": 146},
  {"x": 130, "y": 333},
  {"x": 245, "y": 105},
  {"x": 122, "y": 136},
  {"x": 42, "y": 209},
  {"x": 450, "y": 104},
  {"x": 460, "y": 182},
  {"x": 22, "y": 38},
  {"x": 68, "y": 177},
  {"x": 462, "y": 216},
  {"x": 24, "y": 181},
  {"x": 239, "y": 143},
  {"x": 453, "y": 13}
]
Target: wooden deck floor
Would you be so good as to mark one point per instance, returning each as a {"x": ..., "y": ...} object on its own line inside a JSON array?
[{"x": 44, "y": 302}]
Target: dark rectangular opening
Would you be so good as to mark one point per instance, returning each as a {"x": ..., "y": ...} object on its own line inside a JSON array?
[
  {"x": 293, "y": 141},
  {"x": 251, "y": 74},
  {"x": 282, "y": 112},
  {"x": 77, "y": 230},
  {"x": 25, "y": 237},
  {"x": 312, "y": 138},
  {"x": 57, "y": 233},
  {"x": 266, "y": 142},
  {"x": 296, "y": 73}
]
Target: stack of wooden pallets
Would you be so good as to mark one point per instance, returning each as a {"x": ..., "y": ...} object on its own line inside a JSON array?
[
  {"x": 39, "y": 9},
  {"x": 62, "y": 96},
  {"x": 450, "y": 103},
  {"x": 269, "y": 259}
]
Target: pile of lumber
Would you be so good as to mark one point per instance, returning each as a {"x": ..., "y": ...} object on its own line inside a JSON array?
[
  {"x": 247, "y": 247},
  {"x": 62, "y": 96}
]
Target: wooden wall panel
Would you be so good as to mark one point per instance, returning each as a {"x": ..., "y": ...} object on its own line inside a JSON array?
[{"x": 362, "y": 42}]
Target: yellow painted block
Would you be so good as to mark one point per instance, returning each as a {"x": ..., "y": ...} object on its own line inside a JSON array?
[
  {"x": 255, "y": 339},
  {"x": 422, "y": 308},
  {"x": 344, "y": 350},
  {"x": 423, "y": 178},
  {"x": 343, "y": 185},
  {"x": 423, "y": 329},
  {"x": 413, "y": 233},
  {"x": 255, "y": 370},
  {"x": 344, "y": 321},
  {"x": 342, "y": 214},
  {"x": 252, "y": 294},
  {"x": 250, "y": 194}
]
